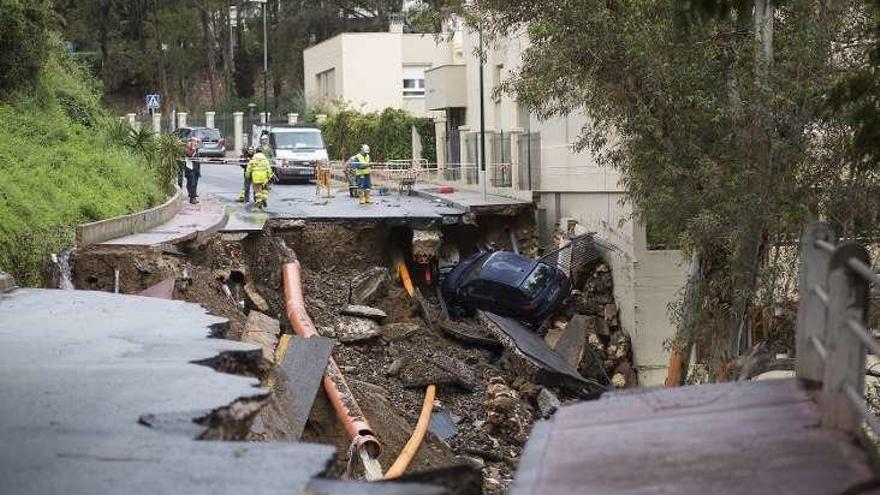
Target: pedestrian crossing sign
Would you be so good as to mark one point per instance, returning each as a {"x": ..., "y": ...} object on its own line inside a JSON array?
[{"x": 154, "y": 101}]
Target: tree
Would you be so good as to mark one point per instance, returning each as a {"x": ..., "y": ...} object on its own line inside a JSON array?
[
  {"x": 24, "y": 35},
  {"x": 716, "y": 116}
]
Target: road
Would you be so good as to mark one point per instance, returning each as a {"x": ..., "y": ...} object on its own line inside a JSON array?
[{"x": 301, "y": 201}]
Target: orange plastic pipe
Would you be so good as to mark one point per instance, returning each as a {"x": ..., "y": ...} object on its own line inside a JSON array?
[
  {"x": 344, "y": 403},
  {"x": 405, "y": 279},
  {"x": 673, "y": 374},
  {"x": 415, "y": 440}
]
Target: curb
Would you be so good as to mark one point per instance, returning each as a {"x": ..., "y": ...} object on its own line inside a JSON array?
[{"x": 112, "y": 228}]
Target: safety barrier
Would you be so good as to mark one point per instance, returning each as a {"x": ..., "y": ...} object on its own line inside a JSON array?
[{"x": 832, "y": 334}]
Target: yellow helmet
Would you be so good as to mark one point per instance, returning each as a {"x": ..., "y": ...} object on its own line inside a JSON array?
[{"x": 259, "y": 156}]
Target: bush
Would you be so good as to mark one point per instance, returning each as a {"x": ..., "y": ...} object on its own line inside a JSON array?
[
  {"x": 389, "y": 133},
  {"x": 24, "y": 28}
]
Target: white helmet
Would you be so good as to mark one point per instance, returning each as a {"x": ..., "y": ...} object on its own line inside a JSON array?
[{"x": 365, "y": 149}]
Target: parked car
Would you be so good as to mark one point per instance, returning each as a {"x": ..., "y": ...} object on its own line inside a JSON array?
[
  {"x": 212, "y": 144},
  {"x": 506, "y": 284},
  {"x": 298, "y": 150}
]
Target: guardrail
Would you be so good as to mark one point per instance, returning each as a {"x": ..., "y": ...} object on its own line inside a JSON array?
[{"x": 832, "y": 333}]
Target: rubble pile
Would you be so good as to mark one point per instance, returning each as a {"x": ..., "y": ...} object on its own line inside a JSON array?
[{"x": 609, "y": 348}]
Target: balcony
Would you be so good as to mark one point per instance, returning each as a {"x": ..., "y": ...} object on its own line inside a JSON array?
[{"x": 445, "y": 87}]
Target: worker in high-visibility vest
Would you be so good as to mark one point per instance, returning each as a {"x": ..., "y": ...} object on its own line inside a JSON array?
[
  {"x": 361, "y": 165},
  {"x": 259, "y": 171}
]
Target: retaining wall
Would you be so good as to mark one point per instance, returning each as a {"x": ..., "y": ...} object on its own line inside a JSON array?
[{"x": 111, "y": 228}]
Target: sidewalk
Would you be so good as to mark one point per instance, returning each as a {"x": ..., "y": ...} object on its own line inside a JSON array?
[{"x": 206, "y": 217}]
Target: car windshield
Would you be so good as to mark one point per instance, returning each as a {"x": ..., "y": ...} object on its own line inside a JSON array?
[
  {"x": 297, "y": 140},
  {"x": 207, "y": 134},
  {"x": 536, "y": 280},
  {"x": 474, "y": 270}
]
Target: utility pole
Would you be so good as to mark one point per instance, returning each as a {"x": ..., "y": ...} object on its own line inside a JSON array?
[
  {"x": 482, "y": 176},
  {"x": 265, "y": 62},
  {"x": 265, "y": 65}
]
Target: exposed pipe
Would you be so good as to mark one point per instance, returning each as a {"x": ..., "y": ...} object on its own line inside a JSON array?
[
  {"x": 415, "y": 440},
  {"x": 364, "y": 442},
  {"x": 405, "y": 279},
  {"x": 418, "y": 435}
]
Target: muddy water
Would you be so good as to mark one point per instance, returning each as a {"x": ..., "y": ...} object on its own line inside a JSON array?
[{"x": 64, "y": 269}]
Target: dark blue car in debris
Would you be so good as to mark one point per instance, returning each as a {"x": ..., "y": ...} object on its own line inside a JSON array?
[{"x": 506, "y": 284}]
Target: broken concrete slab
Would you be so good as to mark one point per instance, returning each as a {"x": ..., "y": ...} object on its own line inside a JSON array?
[
  {"x": 369, "y": 286},
  {"x": 256, "y": 299},
  {"x": 303, "y": 368},
  {"x": 571, "y": 342},
  {"x": 262, "y": 330},
  {"x": 438, "y": 369},
  {"x": 70, "y": 421},
  {"x": 442, "y": 425},
  {"x": 338, "y": 487},
  {"x": 364, "y": 312},
  {"x": 471, "y": 334},
  {"x": 547, "y": 402},
  {"x": 162, "y": 290},
  {"x": 350, "y": 329},
  {"x": 534, "y": 356},
  {"x": 398, "y": 331}
]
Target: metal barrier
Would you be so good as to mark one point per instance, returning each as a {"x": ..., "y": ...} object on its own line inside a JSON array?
[{"x": 832, "y": 334}]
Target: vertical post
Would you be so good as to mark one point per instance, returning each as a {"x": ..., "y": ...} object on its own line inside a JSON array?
[
  {"x": 515, "y": 156},
  {"x": 440, "y": 141},
  {"x": 157, "y": 122},
  {"x": 812, "y": 312},
  {"x": 482, "y": 176},
  {"x": 529, "y": 159},
  {"x": 463, "y": 131},
  {"x": 131, "y": 119},
  {"x": 292, "y": 118},
  {"x": 238, "y": 130},
  {"x": 265, "y": 65},
  {"x": 264, "y": 117},
  {"x": 845, "y": 366},
  {"x": 209, "y": 119},
  {"x": 181, "y": 119}
]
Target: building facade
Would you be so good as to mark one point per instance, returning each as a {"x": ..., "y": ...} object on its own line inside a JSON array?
[{"x": 373, "y": 71}]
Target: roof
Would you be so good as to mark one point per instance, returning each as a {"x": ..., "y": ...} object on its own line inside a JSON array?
[{"x": 507, "y": 268}]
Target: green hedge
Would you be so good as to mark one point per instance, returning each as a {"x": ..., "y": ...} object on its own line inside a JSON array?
[{"x": 389, "y": 134}]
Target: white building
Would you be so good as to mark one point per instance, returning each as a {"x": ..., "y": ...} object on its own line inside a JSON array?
[
  {"x": 534, "y": 159},
  {"x": 373, "y": 71}
]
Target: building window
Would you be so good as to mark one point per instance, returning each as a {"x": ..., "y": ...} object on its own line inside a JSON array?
[
  {"x": 414, "y": 80},
  {"x": 414, "y": 87},
  {"x": 325, "y": 82}
]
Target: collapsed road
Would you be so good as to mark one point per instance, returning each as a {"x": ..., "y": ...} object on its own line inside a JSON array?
[{"x": 491, "y": 379}]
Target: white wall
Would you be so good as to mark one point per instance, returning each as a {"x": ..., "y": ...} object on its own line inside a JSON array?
[
  {"x": 319, "y": 58},
  {"x": 369, "y": 67}
]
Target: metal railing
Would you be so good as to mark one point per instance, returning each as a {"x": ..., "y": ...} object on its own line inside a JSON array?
[{"x": 832, "y": 333}]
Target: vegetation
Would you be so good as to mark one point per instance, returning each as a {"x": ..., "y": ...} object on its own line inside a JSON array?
[
  {"x": 22, "y": 22},
  {"x": 723, "y": 129},
  {"x": 182, "y": 47},
  {"x": 389, "y": 133},
  {"x": 63, "y": 163}
]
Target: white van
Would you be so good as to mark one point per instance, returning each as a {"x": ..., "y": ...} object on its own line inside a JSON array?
[{"x": 298, "y": 150}]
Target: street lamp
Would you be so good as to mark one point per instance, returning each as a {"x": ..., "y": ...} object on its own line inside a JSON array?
[{"x": 265, "y": 64}]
